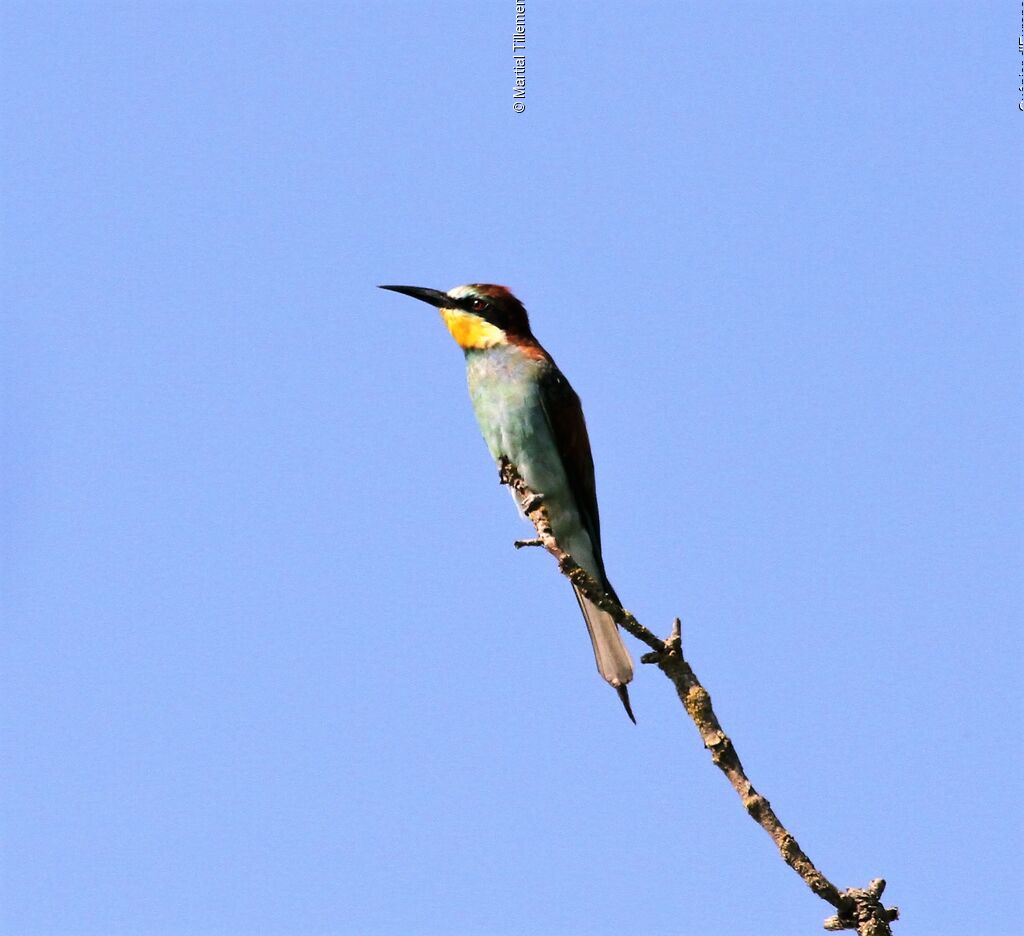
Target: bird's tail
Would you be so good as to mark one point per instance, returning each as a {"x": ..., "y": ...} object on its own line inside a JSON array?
[{"x": 613, "y": 660}]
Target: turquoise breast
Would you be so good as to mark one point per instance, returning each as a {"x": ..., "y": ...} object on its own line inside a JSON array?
[{"x": 504, "y": 386}]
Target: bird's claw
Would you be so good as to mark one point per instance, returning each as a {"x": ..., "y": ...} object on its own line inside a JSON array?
[{"x": 533, "y": 503}]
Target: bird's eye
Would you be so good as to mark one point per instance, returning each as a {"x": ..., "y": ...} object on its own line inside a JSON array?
[{"x": 478, "y": 305}]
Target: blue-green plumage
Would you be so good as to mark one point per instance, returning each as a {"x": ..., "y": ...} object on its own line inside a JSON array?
[{"x": 507, "y": 389}]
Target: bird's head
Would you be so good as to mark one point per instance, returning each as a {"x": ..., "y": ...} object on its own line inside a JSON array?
[{"x": 478, "y": 316}]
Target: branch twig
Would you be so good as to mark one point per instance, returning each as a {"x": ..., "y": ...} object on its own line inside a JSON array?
[{"x": 857, "y": 909}]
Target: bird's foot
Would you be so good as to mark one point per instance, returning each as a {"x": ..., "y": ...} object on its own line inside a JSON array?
[{"x": 533, "y": 503}]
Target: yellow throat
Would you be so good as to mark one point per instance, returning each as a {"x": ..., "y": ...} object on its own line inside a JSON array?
[{"x": 471, "y": 331}]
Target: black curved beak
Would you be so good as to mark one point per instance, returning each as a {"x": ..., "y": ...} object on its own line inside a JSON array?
[{"x": 432, "y": 296}]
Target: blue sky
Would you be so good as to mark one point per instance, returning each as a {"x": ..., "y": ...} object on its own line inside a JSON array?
[{"x": 270, "y": 663}]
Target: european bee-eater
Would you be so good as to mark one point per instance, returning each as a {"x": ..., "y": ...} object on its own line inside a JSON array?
[{"x": 530, "y": 415}]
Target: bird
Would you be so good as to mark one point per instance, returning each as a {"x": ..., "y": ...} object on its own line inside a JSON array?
[{"x": 530, "y": 415}]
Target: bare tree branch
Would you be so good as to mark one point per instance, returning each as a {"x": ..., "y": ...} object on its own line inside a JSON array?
[{"x": 857, "y": 909}]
